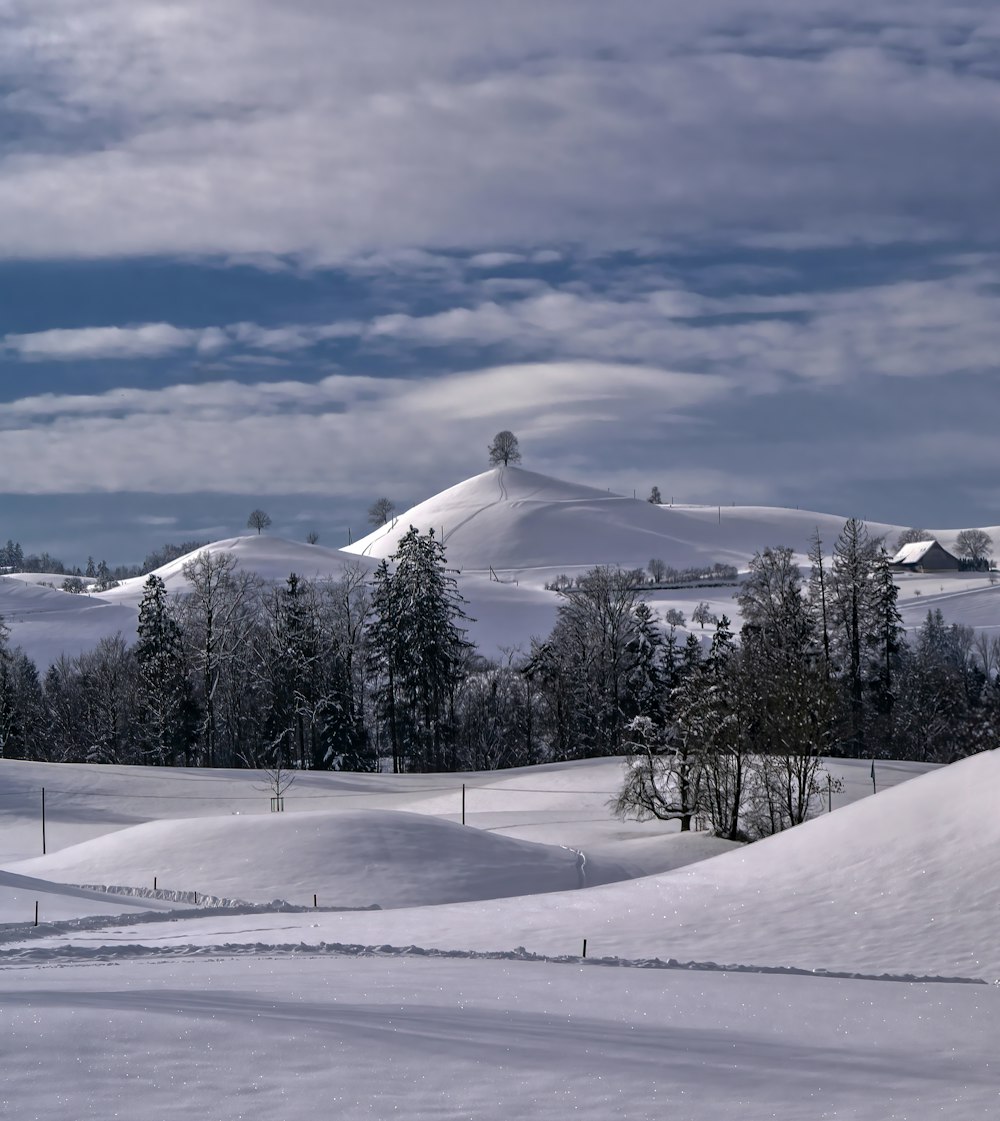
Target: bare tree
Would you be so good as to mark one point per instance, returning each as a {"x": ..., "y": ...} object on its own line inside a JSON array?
[
  {"x": 312, "y": 537},
  {"x": 504, "y": 449},
  {"x": 657, "y": 570},
  {"x": 380, "y": 511},
  {"x": 660, "y": 781},
  {"x": 258, "y": 520},
  {"x": 216, "y": 614},
  {"x": 277, "y": 779},
  {"x": 911, "y": 536},
  {"x": 702, "y": 614},
  {"x": 976, "y": 545},
  {"x": 655, "y": 497}
]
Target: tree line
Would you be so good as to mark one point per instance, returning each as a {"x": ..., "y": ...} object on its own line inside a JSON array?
[
  {"x": 359, "y": 673},
  {"x": 344, "y": 673}
]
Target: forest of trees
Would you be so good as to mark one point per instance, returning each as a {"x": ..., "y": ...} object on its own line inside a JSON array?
[{"x": 362, "y": 673}]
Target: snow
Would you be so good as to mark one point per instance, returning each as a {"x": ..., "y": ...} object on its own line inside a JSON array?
[
  {"x": 508, "y": 532},
  {"x": 833, "y": 971},
  {"x": 179, "y": 967},
  {"x": 913, "y": 552}
]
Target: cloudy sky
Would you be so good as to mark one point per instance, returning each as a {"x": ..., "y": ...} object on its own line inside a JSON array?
[{"x": 298, "y": 254}]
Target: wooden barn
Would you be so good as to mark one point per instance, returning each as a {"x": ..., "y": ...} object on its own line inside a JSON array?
[{"x": 925, "y": 556}]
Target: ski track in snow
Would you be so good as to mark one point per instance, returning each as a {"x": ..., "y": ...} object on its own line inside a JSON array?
[{"x": 499, "y": 501}]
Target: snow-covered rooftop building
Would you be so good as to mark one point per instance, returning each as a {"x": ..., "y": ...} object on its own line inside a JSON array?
[{"x": 925, "y": 556}]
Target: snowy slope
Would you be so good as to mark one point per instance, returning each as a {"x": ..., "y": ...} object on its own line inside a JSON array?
[
  {"x": 243, "y": 1012},
  {"x": 47, "y": 623},
  {"x": 508, "y": 531},
  {"x": 519, "y": 522},
  {"x": 351, "y": 859},
  {"x": 272, "y": 558},
  {"x": 901, "y": 882}
]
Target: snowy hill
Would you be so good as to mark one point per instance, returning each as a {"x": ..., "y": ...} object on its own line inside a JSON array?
[
  {"x": 902, "y": 882},
  {"x": 47, "y": 622},
  {"x": 508, "y": 531},
  {"x": 486, "y": 1008},
  {"x": 350, "y": 859},
  {"x": 530, "y": 525},
  {"x": 272, "y": 558}
]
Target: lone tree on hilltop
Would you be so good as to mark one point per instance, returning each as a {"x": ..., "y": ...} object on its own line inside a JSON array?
[
  {"x": 655, "y": 497},
  {"x": 504, "y": 449},
  {"x": 976, "y": 545},
  {"x": 258, "y": 520},
  {"x": 380, "y": 511}
]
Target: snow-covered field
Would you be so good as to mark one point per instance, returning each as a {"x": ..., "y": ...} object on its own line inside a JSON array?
[
  {"x": 508, "y": 532},
  {"x": 843, "y": 969},
  {"x": 368, "y": 954}
]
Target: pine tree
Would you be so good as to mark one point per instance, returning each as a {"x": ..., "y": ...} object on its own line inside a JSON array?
[
  {"x": 819, "y": 596},
  {"x": 887, "y": 641},
  {"x": 851, "y": 587},
  {"x": 418, "y": 648},
  {"x": 648, "y": 675},
  {"x": 7, "y": 701},
  {"x": 166, "y": 704}
]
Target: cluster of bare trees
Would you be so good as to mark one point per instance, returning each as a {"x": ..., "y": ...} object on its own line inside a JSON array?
[
  {"x": 235, "y": 673},
  {"x": 822, "y": 669}
]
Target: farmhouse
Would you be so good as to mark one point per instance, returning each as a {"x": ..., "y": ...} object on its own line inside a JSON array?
[{"x": 925, "y": 556}]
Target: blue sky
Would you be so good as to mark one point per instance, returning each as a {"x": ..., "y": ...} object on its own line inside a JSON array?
[{"x": 301, "y": 255}]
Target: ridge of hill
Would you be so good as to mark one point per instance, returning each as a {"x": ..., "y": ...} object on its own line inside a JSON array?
[
  {"x": 353, "y": 858},
  {"x": 520, "y": 522},
  {"x": 508, "y": 532}
]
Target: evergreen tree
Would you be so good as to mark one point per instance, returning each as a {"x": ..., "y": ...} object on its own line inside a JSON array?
[
  {"x": 418, "y": 649},
  {"x": 167, "y": 710},
  {"x": 819, "y": 596},
  {"x": 7, "y": 700},
  {"x": 852, "y": 601},
  {"x": 886, "y": 641},
  {"x": 650, "y": 670}
]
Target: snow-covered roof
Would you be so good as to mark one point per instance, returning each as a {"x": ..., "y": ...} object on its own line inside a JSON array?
[{"x": 914, "y": 552}]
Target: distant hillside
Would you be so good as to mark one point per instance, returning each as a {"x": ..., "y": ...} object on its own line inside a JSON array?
[
  {"x": 508, "y": 532},
  {"x": 519, "y": 521}
]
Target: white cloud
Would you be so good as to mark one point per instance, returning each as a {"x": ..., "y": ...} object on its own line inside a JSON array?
[
  {"x": 494, "y": 260},
  {"x": 902, "y": 329},
  {"x": 926, "y": 328},
  {"x": 150, "y": 340},
  {"x": 294, "y": 437},
  {"x": 154, "y": 340},
  {"x": 257, "y": 130}
]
